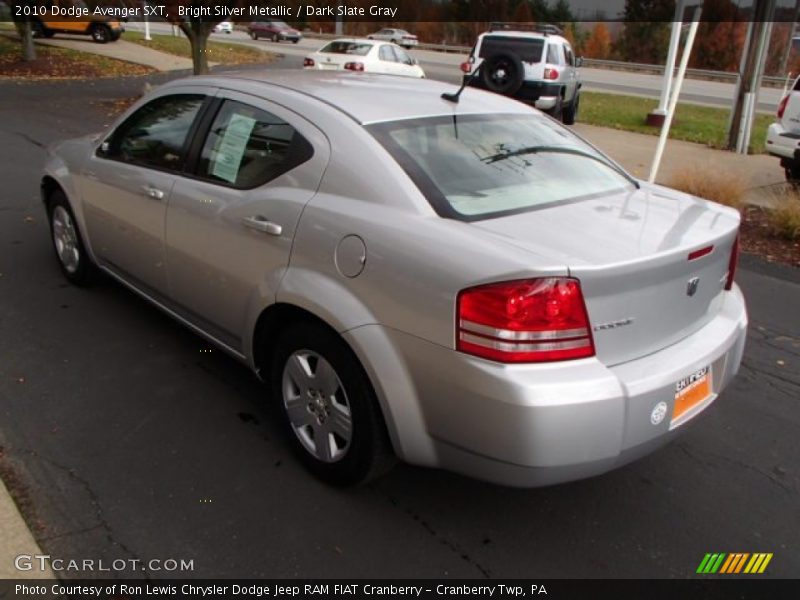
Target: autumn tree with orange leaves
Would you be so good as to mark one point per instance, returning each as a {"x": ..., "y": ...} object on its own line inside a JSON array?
[{"x": 599, "y": 43}]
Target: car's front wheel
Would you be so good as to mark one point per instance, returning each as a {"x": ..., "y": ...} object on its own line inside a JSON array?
[
  {"x": 67, "y": 243},
  {"x": 329, "y": 407}
]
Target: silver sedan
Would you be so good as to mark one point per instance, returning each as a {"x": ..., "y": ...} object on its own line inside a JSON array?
[{"x": 462, "y": 283}]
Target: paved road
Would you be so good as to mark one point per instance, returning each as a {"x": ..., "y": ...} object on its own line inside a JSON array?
[
  {"x": 134, "y": 440},
  {"x": 443, "y": 66}
]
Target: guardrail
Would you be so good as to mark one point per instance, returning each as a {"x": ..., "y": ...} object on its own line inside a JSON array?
[{"x": 611, "y": 65}]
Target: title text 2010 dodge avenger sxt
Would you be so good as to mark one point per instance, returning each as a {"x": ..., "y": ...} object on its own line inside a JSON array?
[{"x": 462, "y": 285}]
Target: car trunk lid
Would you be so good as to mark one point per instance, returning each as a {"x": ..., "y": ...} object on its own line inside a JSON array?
[{"x": 652, "y": 262}]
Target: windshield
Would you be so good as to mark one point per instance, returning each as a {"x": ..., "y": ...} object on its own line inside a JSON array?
[
  {"x": 479, "y": 166},
  {"x": 357, "y": 48}
]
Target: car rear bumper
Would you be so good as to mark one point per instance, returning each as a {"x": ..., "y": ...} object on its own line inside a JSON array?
[
  {"x": 533, "y": 425},
  {"x": 782, "y": 143}
]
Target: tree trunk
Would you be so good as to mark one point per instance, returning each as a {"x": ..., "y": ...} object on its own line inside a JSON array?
[
  {"x": 198, "y": 33},
  {"x": 28, "y": 49},
  {"x": 26, "y": 36}
]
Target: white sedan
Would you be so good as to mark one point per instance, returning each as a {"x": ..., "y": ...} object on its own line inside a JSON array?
[{"x": 364, "y": 56}]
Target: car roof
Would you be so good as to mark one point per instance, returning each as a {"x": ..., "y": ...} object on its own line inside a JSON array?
[
  {"x": 522, "y": 34},
  {"x": 366, "y": 97},
  {"x": 354, "y": 40}
]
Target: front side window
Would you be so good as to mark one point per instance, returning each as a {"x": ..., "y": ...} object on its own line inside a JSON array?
[
  {"x": 155, "y": 135},
  {"x": 481, "y": 166},
  {"x": 402, "y": 56},
  {"x": 247, "y": 147}
]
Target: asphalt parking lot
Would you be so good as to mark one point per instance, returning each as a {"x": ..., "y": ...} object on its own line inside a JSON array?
[{"x": 131, "y": 438}]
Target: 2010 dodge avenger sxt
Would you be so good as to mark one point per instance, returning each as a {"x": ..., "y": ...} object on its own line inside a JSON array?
[{"x": 465, "y": 285}]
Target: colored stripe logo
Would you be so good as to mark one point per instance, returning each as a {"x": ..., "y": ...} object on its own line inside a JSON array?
[{"x": 734, "y": 563}]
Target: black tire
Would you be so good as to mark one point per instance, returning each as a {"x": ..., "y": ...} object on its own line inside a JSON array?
[
  {"x": 253, "y": 35},
  {"x": 101, "y": 33},
  {"x": 571, "y": 112},
  {"x": 367, "y": 454},
  {"x": 792, "y": 173},
  {"x": 295, "y": 41},
  {"x": 275, "y": 38},
  {"x": 503, "y": 73},
  {"x": 84, "y": 271},
  {"x": 38, "y": 30},
  {"x": 115, "y": 36},
  {"x": 393, "y": 41},
  {"x": 557, "y": 112}
]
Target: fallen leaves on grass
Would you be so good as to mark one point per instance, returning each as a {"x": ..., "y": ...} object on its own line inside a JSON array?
[{"x": 62, "y": 63}]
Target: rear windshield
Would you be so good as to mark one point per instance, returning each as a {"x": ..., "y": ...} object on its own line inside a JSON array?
[
  {"x": 475, "y": 167},
  {"x": 528, "y": 49},
  {"x": 357, "y": 48}
]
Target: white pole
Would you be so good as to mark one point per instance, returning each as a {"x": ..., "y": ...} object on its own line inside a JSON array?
[
  {"x": 672, "y": 54},
  {"x": 662, "y": 140},
  {"x": 146, "y": 22}
]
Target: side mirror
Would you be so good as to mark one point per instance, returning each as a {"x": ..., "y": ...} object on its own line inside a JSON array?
[
  {"x": 579, "y": 61},
  {"x": 102, "y": 149}
]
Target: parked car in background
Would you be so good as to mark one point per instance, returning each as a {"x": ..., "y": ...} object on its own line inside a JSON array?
[
  {"x": 533, "y": 64},
  {"x": 396, "y": 36},
  {"x": 783, "y": 136},
  {"x": 223, "y": 27},
  {"x": 275, "y": 30},
  {"x": 364, "y": 55},
  {"x": 465, "y": 285}
]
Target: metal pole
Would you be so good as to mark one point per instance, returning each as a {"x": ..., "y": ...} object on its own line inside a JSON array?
[
  {"x": 662, "y": 140},
  {"x": 669, "y": 69},
  {"x": 146, "y": 22}
]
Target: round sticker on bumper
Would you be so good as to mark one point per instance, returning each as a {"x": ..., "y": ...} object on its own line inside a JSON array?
[{"x": 659, "y": 412}]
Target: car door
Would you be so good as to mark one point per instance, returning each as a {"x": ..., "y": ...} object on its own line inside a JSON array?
[
  {"x": 230, "y": 226},
  {"x": 387, "y": 60},
  {"x": 405, "y": 64},
  {"x": 126, "y": 185},
  {"x": 572, "y": 75}
]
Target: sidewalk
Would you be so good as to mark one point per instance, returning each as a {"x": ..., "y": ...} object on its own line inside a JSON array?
[
  {"x": 16, "y": 540},
  {"x": 635, "y": 152},
  {"x": 122, "y": 50}
]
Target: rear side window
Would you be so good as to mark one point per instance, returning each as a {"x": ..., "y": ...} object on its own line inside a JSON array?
[
  {"x": 386, "y": 54},
  {"x": 357, "y": 48},
  {"x": 247, "y": 147},
  {"x": 554, "y": 54},
  {"x": 155, "y": 135},
  {"x": 528, "y": 49}
]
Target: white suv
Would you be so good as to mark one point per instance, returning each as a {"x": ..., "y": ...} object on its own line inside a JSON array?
[
  {"x": 533, "y": 64},
  {"x": 783, "y": 136}
]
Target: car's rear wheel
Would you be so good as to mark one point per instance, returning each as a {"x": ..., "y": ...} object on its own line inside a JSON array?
[
  {"x": 557, "y": 112},
  {"x": 253, "y": 35},
  {"x": 101, "y": 33},
  {"x": 275, "y": 38},
  {"x": 571, "y": 112},
  {"x": 67, "y": 242},
  {"x": 792, "y": 172},
  {"x": 330, "y": 410},
  {"x": 503, "y": 73}
]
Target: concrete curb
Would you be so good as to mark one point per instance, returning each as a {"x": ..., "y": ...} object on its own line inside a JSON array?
[{"x": 16, "y": 540}]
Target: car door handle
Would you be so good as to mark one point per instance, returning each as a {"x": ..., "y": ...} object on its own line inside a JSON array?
[
  {"x": 263, "y": 225},
  {"x": 154, "y": 193}
]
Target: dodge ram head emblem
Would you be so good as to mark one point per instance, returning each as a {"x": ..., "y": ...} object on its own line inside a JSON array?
[{"x": 691, "y": 286}]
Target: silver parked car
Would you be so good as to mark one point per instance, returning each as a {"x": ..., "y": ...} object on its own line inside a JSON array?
[{"x": 464, "y": 285}]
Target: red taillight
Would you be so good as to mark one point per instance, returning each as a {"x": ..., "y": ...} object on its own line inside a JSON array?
[
  {"x": 308, "y": 62},
  {"x": 551, "y": 74},
  {"x": 732, "y": 264},
  {"x": 701, "y": 253},
  {"x": 782, "y": 106},
  {"x": 354, "y": 66},
  {"x": 530, "y": 320},
  {"x": 466, "y": 67}
]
